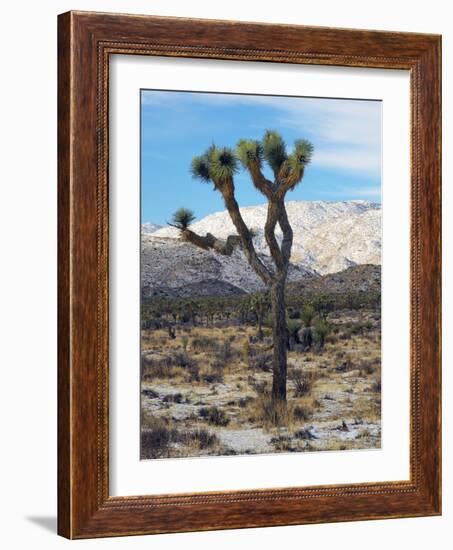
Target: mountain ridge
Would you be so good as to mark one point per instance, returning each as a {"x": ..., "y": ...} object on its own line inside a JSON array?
[{"x": 329, "y": 237}]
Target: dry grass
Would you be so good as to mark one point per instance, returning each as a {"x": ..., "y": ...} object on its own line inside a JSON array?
[
  {"x": 158, "y": 438},
  {"x": 225, "y": 375}
]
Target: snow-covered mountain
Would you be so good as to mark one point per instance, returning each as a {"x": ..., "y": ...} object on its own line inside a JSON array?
[
  {"x": 148, "y": 228},
  {"x": 171, "y": 267},
  {"x": 328, "y": 237}
]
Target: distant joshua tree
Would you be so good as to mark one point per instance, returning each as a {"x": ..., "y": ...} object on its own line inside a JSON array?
[
  {"x": 259, "y": 305},
  {"x": 218, "y": 165}
]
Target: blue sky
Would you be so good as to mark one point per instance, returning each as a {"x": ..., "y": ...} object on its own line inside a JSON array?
[{"x": 176, "y": 126}]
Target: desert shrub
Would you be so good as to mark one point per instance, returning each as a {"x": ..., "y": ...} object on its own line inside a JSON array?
[
  {"x": 173, "y": 398},
  {"x": 204, "y": 438},
  {"x": 193, "y": 372},
  {"x": 204, "y": 343},
  {"x": 259, "y": 387},
  {"x": 363, "y": 434},
  {"x": 214, "y": 415},
  {"x": 345, "y": 335},
  {"x": 305, "y": 434},
  {"x": 345, "y": 366},
  {"x": 303, "y": 383},
  {"x": 184, "y": 342},
  {"x": 224, "y": 352},
  {"x": 246, "y": 349},
  {"x": 157, "y": 367},
  {"x": 283, "y": 443},
  {"x": 302, "y": 412},
  {"x": 376, "y": 386},
  {"x": 156, "y": 438},
  {"x": 217, "y": 365},
  {"x": 366, "y": 367},
  {"x": 244, "y": 401},
  {"x": 358, "y": 328},
  {"x": 182, "y": 359},
  {"x": 272, "y": 412},
  {"x": 213, "y": 377},
  {"x": 332, "y": 339},
  {"x": 260, "y": 361},
  {"x": 151, "y": 394}
]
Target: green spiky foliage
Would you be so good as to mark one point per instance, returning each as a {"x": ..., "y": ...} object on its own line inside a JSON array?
[
  {"x": 259, "y": 304},
  {"x": 217, "y": 164},
  {"x": 200, "y": 168},
  {"x": 303, "y": 153},
  {"x": 322, "y": 329},
  {"x": 307, "y": 315},
  {"x": 249, "y": 151},
  {"x": 223, "y": 164},
  {"x": 182, "y": 218},
  {"x": 274, "y": 150}
]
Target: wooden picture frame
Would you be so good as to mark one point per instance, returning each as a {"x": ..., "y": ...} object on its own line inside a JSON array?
[{"x": 85, "y": 42}]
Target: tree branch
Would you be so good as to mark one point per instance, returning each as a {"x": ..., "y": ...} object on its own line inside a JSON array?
[
  {"x": 227, "y": 190},
  {"x": 263, "y": 185},
  {"x": 287, "y": 231},
  {"x": 210, "y": 241},
  {"x": 288, "y": 182},
  {"x": 269, "y": 233}
]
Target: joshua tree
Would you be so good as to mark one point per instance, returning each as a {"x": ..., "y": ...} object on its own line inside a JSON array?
[
  {"x": 182, "y": 218},
  {"x": 322, "y": 329},
  {"x": 218, "y": 166},
  {"x": 259, "y": 305},
  {"x": 307, "y": 315}
]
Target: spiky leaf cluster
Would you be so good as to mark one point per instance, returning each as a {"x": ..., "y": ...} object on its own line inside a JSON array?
[
  {"x": 200, "y": 168},
  {"x": 217, "y": 164},
  {"x": 223, "y": 164},
  {"x": 274, "y": 149},
  {"x": 249, "y": 151},
  {"x": 182, "y": 218},
  {"x": 301, "y": 155}
]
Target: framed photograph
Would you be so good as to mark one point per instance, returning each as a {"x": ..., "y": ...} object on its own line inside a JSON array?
[{"x": 249, "y": 275}]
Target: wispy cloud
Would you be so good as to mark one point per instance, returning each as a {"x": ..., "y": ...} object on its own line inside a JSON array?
[
  {"x": 346, "y": 133},
  {"x": 370, "y": 191},
  {"x": 353, "y": 158}
]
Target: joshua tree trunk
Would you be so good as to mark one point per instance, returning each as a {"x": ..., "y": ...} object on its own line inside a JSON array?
[
  {"x": 260, "y": 328},
  {"x": 279, "y": 363}
]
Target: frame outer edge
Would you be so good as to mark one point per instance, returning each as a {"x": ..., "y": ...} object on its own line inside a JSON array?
[
  {"x": 64, "y": 527},
  {"x": 82, "y": 512},
  {"x": 433, "y": 140}
]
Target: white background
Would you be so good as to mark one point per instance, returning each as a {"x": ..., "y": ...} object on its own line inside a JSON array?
[
  {"x": 28, "y": 285},
  {"x": 129, "y": 476}
]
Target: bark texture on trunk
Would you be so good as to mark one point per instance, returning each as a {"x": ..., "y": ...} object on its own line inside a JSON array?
[
  {"x": 210, "y": 241},
  {"x": 279, "y": 334}
]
